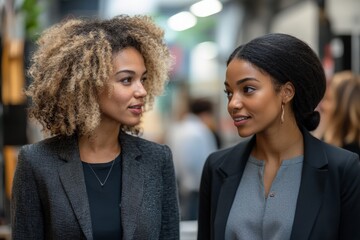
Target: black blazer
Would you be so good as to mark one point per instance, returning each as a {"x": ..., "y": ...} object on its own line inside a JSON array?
[
  {"x": 50, "y": 201},
  {"x": 328, "y": 204}
]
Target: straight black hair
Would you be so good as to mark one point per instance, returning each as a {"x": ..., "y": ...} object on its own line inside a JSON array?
[{"x": 288, "y": 59}]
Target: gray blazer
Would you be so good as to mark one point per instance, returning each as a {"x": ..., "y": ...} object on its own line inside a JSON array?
[{"x": 49, "y": 198}]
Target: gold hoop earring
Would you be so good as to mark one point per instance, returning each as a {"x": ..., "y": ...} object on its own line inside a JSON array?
[{"x": 282, "y": 113}]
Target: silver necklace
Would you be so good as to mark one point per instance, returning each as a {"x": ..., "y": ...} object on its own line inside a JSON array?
[{"x": 107, "y": 176}]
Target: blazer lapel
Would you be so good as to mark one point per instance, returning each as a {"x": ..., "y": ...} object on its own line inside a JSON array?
[
  {"x": 73, "y": 181},
  {"x": 311, "y": 190},
  {"x": 132, "y": 185},
  {"x": 230, "y": 171}
]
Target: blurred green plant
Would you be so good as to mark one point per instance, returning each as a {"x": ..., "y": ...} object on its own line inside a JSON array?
[{"x": 32, "y": 11}]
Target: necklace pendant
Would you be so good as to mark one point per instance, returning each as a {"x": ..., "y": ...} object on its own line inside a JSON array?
[{"x": 102, "y": 184}]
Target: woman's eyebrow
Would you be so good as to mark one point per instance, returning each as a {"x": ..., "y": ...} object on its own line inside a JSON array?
[{"x": 240, "y": 81}]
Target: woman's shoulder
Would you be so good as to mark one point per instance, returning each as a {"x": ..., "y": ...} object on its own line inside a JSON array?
[
  {"x": 151, "y": 154},
  {"x": 146, "y": 146},
  {"x": 239, "y": 149},
  {"x": 141, "y": 141},
  {"x": 320, "y": 153},
  {"x": 353, "y": 147},
  {"x": 43, "y": 154},
  {"x": 46, "y": 146},
  {"x": 340, "y": 157},
  {"x": 336, "y": 151}
]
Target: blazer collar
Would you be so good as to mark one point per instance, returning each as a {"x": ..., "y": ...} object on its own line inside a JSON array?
[
  {"x": 231, "y": 171},
  {"x": 236, "y": 159},
  {"x": 314, "y": 154},
  {"x": 72, "y": 178},
  {"x": 312, "y": 187},
  {"x": 132, "y": 184},
  {"x": 311, "y": 190}
]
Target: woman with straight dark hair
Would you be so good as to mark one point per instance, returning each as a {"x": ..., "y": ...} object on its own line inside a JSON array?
[{"x": 282, "y": 183}]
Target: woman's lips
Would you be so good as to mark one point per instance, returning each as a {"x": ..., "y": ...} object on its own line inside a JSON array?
[
  {"x": 241, "y": 120},
  {"x": 136, "y": 109}
]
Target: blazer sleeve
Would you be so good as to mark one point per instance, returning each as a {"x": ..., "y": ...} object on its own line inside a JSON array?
[
  {"x": 350, "y": 195},
  {"x": 170, "y": 209},
  {"x": 26, "y": 212}
]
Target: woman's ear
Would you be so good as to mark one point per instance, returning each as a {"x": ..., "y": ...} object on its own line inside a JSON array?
[{"x": 287, "y": 92}]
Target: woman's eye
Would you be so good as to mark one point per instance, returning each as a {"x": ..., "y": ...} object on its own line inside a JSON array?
[
  {"x": 248, "y": 89},
  {"x": 126, "y": 80},
  {"x": 227, "y": 93},
  {"x": 143, "y": 79}
]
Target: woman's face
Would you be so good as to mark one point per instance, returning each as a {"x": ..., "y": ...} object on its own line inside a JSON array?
[
  {"x": 253, "y": 103},
  {"x": 125, "y": 103}
]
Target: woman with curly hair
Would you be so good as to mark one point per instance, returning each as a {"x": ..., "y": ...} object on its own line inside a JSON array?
[{"x": 93, "y": 177}]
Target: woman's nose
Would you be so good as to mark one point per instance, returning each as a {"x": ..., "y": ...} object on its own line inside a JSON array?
[
  {"x": 235, "y": 103},
  {"x": 140, "y": 90}
]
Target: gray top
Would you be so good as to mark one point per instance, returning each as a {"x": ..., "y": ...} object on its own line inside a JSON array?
[{"x": 252, "y": 216}]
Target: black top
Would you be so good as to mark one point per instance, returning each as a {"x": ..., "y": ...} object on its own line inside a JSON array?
[{"x": 104, "y": 201}]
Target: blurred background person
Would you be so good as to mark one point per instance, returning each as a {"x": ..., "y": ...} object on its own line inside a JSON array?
[
  {"x": 341, "y": 111},
  {"x": 192, "y": 139},
  {"x": 204, "y": 109}
]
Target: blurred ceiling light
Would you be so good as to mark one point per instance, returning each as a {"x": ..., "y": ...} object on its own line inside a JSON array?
[
  {"x": 111, "y": 8},
  {"x": 182, "y": 21},
  {"x": 206, "y": 8},
  {"x": 206, "y": 50}
]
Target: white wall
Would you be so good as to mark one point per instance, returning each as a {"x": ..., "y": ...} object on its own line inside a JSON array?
[{"x": 301, "y": 21}]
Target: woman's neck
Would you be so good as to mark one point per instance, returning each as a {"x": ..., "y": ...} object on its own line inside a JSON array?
[
  {"x": 277, "y": 145},
  {"x": 103, "y": 146}
]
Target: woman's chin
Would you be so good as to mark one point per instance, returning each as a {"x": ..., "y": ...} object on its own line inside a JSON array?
[{"x": 244, "y": 134}]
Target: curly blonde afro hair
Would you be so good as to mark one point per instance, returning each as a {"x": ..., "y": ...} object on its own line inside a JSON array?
[{"x": 73, "y": 63}]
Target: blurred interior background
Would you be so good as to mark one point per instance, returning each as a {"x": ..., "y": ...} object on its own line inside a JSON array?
[{"x": 201, "y": 35}]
